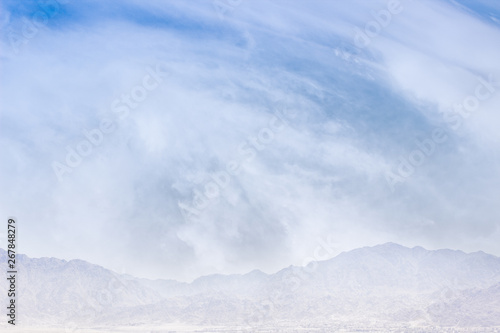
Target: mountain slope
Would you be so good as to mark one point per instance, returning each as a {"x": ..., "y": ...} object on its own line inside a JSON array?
[
  {"x": 52, "y": 290},
  {"x": 388, "y": 283}
]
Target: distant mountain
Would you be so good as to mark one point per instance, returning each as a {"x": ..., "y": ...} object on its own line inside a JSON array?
[
  {"x": 388, "y": 284},
  {"x": 468, "y": 307},
  {"x": 54, "y": 291}
]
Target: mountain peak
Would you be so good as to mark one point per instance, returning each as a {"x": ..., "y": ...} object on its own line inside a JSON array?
[{"x": 392, "y": 245}]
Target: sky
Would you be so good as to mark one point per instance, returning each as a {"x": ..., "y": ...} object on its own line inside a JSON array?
[{"x": 174, "y": 139}]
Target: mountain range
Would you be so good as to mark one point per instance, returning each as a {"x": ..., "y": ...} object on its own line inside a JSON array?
[{"x": 387, "y": 285}]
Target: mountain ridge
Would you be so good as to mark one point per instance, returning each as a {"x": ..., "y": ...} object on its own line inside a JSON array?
[
  {"x": 427, "y": 285},
  {"x": 385, "y": 246}
]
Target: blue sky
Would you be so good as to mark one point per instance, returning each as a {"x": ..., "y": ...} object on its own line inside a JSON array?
[{"x": 317, "y": 124}]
